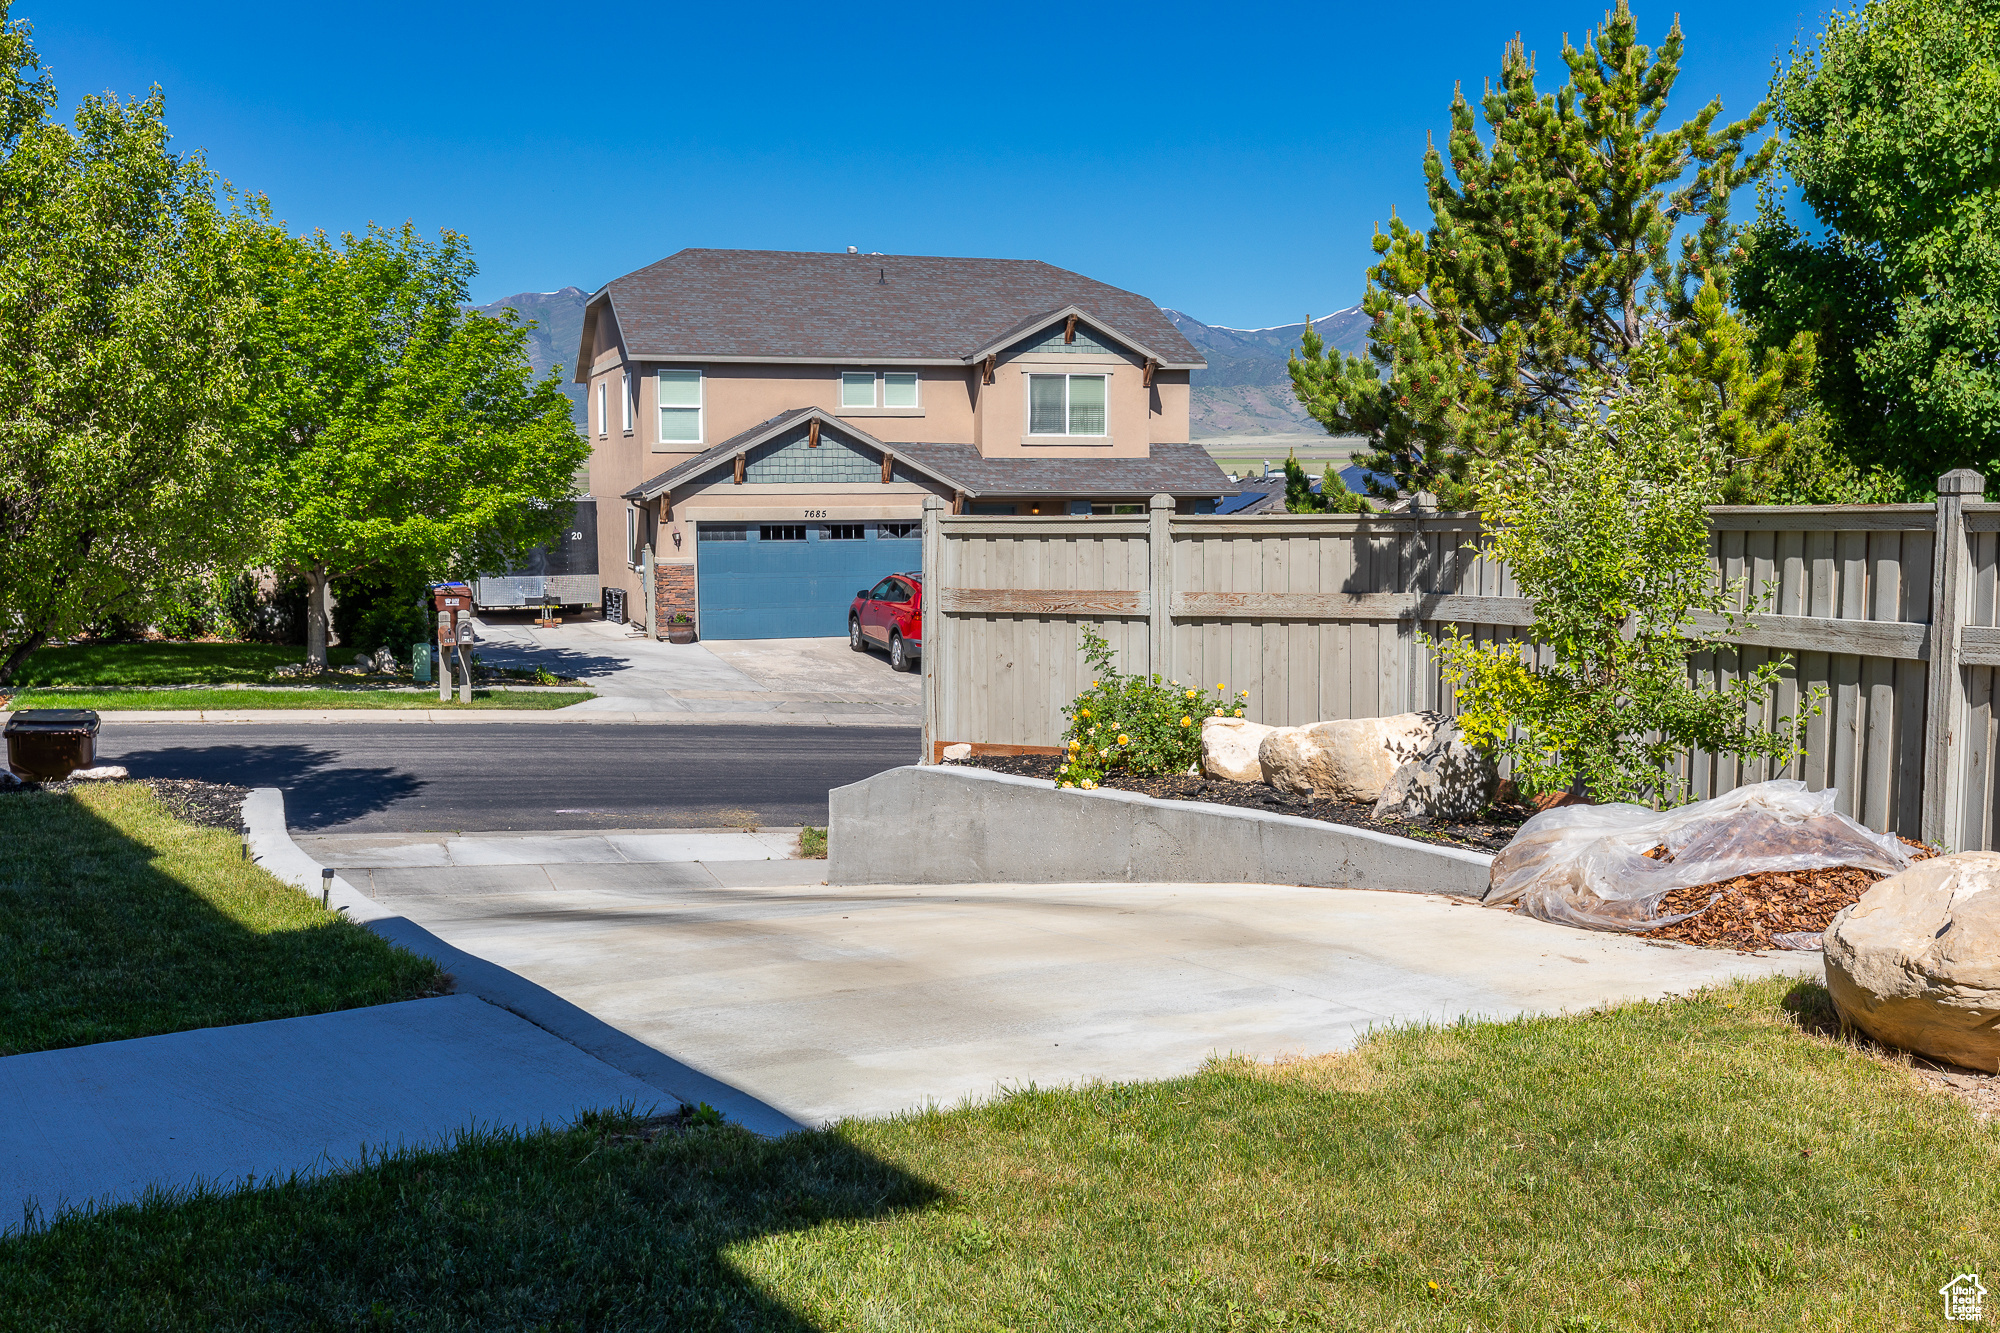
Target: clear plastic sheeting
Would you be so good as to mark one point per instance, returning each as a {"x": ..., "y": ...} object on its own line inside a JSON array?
[{"x": 1586, "y": 865}]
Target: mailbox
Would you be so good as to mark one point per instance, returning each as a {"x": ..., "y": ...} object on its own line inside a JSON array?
[
  {"x": 454, "y": 597},
  {"x": 444, "y": 627},
  {"x": 464, "y": 633}
]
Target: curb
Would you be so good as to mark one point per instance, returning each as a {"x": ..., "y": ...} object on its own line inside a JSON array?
[
  {"x": 542, "y": 716},
  {"x": 271, "y": 847}
]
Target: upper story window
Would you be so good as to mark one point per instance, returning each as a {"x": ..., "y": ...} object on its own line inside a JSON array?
[
  {"x": 625, "y": 401},
  {"x": 603, "y": 422},
  {"x": 883, "y": 388},
  {"x": 680, "y": 406},
  {"x": 1066, "y": 404}
]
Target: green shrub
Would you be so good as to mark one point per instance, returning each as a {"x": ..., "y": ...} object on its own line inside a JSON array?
[
  {"x": 1140, "y": 723},
  {"x": 256, "y": 616},
  {"x": 1608, "y": 534},
  {"x": 382, "y": 607}
]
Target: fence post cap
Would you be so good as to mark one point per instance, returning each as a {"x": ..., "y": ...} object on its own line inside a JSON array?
[
  {"x": 1163, "y": 501},
  {"x": 933, "y": 502},
  {"x": 1962, "y": 481}
]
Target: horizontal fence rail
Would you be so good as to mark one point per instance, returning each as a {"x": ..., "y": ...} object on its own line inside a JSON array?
[{"x": 1893, "y": 609}]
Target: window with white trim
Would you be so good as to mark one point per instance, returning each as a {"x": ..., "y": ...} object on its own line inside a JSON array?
[
  {"x": 1066, "y": 404},
  {"x": 680, "y": 395},
  {"x": 632, "y": 535},
  {"x": 857, "y": 388},
  {"x": 870, "y": 389},
  {"x": 625, "y": 401},
  {"x": 603, "y": 422}
]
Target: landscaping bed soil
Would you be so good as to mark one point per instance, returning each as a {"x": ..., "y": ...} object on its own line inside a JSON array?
[
  {"x": 1748, "y": 910},
  {"x": 208, "y": 804},
  {"x": 1482, "y": 835}
]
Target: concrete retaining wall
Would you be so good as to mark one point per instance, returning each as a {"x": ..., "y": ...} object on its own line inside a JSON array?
[{"x": 939, "y": 825}]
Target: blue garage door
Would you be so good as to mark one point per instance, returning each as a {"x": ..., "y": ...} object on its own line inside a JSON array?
[{"x": 794, "y": 580}]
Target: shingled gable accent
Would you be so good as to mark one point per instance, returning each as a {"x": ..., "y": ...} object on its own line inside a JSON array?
[
  {"x": 833, "y": 309},
  {"x": 766, "y": 431},
  {"x": 1057, "y": 318}
]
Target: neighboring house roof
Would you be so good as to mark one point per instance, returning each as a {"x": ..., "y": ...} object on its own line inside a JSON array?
[
  {"x": 1260, "y": 495},
  {"x": 782, "y": 305},
  {"x": 1175, "y": 469}
]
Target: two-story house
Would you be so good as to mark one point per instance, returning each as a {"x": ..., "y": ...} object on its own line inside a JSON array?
[{"x": 772, "y": 421}]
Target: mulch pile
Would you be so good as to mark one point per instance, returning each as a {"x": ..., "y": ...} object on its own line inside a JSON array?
[
  {"x": 1488, "y": 835},
  {"x": 209, "y": 804},
  {"x": 1750, "y": 909}
]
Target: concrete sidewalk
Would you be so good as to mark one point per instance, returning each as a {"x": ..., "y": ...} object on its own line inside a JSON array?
[
  {"x": 216, "y": 1106},
  {"x": 574, "y": 713}
]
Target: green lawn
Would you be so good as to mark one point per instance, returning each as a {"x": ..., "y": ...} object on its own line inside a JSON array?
[
  {"x": 1708, "y": 1163},
  {"x": 117, "y": 920},
  {"x": 156, "y": 664},
  {"x": 109, "y": 701}
]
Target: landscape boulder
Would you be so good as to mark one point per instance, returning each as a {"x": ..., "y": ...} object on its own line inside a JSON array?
[
  {"x": 1449, "y": 780},
  {"x": 1352, "y": 759},
  {"x": 1229, "y": 748},
  {"x": 1916, "y": 962}
]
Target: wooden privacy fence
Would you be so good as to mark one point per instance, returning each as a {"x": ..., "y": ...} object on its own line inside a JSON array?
[{"x": 1894, "y": 609}]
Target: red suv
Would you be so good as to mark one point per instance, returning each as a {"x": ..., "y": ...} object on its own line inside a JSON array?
[{"x": 890, "y": 615}]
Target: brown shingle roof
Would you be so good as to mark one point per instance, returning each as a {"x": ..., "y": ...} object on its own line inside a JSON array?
[
  {"x": 1181, "y": 470},
  {"x": 783, "y": 304}
]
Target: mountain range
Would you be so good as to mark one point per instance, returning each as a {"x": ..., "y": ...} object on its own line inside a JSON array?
[{"x": 1244, "y": 395}]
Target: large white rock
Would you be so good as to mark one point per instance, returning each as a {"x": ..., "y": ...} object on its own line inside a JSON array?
[
  {"x": 1916, "y": 963},
  {"x": 1348, "y": 760},
  {"x": 1229, "y": 748},
  {"x": 1449, "y": 780}
]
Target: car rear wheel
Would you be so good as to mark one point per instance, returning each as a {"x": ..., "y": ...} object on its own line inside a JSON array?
[
  {"x": 854, "y": 639},
  {"x": 899, "y": 656}
]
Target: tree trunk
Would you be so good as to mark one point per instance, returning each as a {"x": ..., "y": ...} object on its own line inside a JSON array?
[
  {"x": 20, "y": 655},
  {"x": 316, "y": 627}
]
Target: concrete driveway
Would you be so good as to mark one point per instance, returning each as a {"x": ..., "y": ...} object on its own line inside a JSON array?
[
  {"x": 827, "y": 1002},
  {"x": 634, "y": 674}
]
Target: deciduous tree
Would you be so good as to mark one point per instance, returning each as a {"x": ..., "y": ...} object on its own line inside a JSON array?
[
  {"x": 396, "y": 426},
  {"x": 1891, "y": 133},
  {"x": 121, "y": 311}
]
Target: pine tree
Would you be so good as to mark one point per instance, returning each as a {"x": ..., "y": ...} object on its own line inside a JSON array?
[{"x": 1549, "y": 259}]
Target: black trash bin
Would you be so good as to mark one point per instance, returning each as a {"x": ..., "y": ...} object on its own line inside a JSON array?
[{"x": 49, "y": 744}]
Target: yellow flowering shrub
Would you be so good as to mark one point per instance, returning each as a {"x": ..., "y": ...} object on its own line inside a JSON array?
[{"x": 1141, "y": 723}]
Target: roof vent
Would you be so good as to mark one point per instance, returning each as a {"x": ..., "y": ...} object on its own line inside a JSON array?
[{"x": 854, "y": 249}]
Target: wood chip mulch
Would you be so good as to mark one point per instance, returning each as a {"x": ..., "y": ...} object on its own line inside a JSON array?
[
  {"x": 209, "y": 804},
  {"x": 1748, "y": 910},
  {"x": 1488, "y": 835}
]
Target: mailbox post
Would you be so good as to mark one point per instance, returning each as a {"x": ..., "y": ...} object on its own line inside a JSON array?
[
  {"x": 465, "y": 661},
  {"x": 446, "y": 638},
  {"x": 454, "y": 631}
]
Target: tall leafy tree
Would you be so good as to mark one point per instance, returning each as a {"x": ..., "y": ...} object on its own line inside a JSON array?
[
  {"x": 397, "y": 428},
  {"x": 1891, "y": 133},
  {"x": 121, "y": 309},
  {"x": 1551, "y": 259}
]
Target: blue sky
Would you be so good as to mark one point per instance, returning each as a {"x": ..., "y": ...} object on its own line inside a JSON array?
[{"x": 1229, "y": 161}]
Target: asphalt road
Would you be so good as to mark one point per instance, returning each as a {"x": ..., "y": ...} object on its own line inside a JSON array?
[{"x": 405, "y": 778}]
